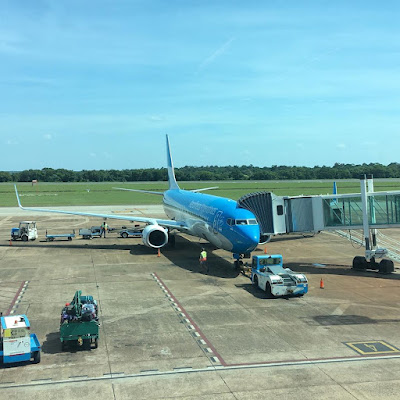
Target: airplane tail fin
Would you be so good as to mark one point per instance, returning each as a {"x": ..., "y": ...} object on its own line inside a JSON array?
[{"x": 171, "y": 172}]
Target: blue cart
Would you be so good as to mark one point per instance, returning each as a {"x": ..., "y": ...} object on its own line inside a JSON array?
[{"x": 67, "y": 236}]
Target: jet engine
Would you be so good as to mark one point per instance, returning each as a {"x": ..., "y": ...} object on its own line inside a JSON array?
[
  {"x": 264, "y": 239},
  {"x": 155, "y": 236}
]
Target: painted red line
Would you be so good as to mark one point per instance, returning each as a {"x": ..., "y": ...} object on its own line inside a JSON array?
[
  {"x": 15, "y": 298},
  {"x": 222, "y": 361}
]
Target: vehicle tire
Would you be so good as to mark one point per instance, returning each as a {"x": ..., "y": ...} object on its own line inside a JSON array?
[
  {"x": 268, "y": 290},
  {"x": 255, "y": 281},
  {"x": 24, "y": 238},
  {"x": 96, "y": 343},
  {"x": 359, "y": 263},
  {"x": 386, "y": 266},
  {"x": 36, "y": 357},
  {"x": 69, "y": 238},
  {"x": 63, "y": 346},
  {"x": 86, "y": 344},
  {"x": 124, "y": 235}
]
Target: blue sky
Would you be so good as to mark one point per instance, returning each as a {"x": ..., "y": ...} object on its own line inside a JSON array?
[{"x": 98, "y": 84}]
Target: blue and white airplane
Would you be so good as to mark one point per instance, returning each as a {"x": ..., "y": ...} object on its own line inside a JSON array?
[{"x": 217, "y": 219}]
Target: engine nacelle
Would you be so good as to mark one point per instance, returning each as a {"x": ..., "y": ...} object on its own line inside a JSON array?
[
  {"x": 155, "y": 236},
  {"x": 264, "y": 239}
]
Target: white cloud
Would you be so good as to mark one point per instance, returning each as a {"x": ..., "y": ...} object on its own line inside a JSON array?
[
  {"x": 221, "y": 50},
  {"x": 156, "y": 118}
]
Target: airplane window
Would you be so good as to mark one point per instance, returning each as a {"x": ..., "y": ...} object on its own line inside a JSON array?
[
  {"x": 229, "y": 221},
  {"x": 241, "y": 222},
  {"x": 252, "y": 222}
]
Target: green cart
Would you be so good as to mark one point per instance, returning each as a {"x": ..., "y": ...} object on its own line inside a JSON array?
[{"x": 79, "y": 323}]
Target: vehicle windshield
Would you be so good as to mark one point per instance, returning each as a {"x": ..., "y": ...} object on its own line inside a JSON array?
[{"x": 270, "y": 261}]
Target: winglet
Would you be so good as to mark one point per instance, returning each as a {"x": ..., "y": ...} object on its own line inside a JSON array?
[
  {"x": 171, "y": 172},
  {"x": 19, "y": 202}
]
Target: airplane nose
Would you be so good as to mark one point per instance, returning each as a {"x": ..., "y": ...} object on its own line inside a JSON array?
[{"x": 250, "y": 239}]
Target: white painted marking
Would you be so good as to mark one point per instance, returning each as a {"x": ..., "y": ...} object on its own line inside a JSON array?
[
  {"x": 340, "y": 309},
  {"x": 202, "y": 341},
  {"x": 214, "y": 359}
]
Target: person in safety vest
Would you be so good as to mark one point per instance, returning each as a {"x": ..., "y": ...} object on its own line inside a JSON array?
[
  {"x": 104, "y": 228},
  {"x": 203, "y": 261}
]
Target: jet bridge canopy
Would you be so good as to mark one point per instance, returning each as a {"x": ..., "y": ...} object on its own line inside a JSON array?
[{"x": 268, "y": 209}]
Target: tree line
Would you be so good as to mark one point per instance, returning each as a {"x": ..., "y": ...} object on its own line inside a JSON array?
[{"x": 206, "y": 173}]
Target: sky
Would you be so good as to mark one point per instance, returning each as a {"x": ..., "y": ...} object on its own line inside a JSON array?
[{"x": 98, "y": 84}]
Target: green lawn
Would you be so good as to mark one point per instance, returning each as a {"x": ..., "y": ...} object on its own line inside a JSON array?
[{"x": 62, "y": 194}]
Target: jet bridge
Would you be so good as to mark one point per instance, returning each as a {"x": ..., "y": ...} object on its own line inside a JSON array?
[{"x": 367, "y": 210}]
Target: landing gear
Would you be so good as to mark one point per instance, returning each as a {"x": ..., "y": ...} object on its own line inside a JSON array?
[
  {"x": 171, "y": 241},
  {"x": 384, "y": 267}
]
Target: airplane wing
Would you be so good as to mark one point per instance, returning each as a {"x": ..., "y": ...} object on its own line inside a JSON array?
[
  {"x": 161, "y": 193},
  {"x": 167, "y": 223},
  {"x": 203, "y": 189},
  {"x": 140, "y": 191}
]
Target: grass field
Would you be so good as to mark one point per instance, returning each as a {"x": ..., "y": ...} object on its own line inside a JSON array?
[{"x": 66, "y": 194}]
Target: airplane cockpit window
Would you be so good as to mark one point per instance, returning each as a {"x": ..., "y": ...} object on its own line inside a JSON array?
[
  {"x": 246, "y": 222},
  {"x": 230, "y": 221}
]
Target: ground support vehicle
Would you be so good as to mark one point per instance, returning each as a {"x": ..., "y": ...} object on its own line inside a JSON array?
[
  {"x": 131, "y": 232},
  {"x": 79, "y": 322},
  {"x": 17, "y": 344},
  {"x": 268, "y": 274},
  {"x": 68, "y": 236},
  {"x": 26, "y": 231},
  {"x": 94, "y": 231}
]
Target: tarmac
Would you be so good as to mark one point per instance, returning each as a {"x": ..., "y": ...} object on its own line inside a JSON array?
[{"x": 169, "y": 332}]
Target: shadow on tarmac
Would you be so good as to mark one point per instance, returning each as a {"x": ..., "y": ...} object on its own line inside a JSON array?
[
  {"x": 185, "y": 255},
  {"x": 337, "y": 269},
  {"x": 329, "y": 320},
  {"x": 52, "y": 345}
]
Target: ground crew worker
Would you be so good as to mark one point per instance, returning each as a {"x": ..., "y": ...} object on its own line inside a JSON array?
[
  {"x": 104, "y": 228},
  {"x": 203, "y": 261}
]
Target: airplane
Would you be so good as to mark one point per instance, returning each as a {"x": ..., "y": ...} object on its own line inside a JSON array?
[{"x": 219, "y": 220}]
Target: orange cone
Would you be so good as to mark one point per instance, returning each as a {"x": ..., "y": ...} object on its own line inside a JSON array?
[
  {"x": 321, "y": 284},
  {"x": 265, "y": 250},
  {"x": 159, "y": 253}
]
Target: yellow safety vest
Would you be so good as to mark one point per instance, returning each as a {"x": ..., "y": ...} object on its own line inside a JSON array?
[{"x": 203, "y": 256}]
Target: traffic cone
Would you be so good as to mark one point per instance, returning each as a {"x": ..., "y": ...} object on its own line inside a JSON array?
[
  {"x": 265, "y": 250},
  {"x": 321, "y": 284},
  {"x": 159, "y": 253}
]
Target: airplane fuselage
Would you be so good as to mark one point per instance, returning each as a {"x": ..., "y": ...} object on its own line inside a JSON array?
[{"x": 216, "y": 219}]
